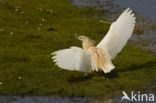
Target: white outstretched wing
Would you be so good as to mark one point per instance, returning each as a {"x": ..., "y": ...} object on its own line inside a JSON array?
[
  {"x": 119, "y": 33},
  {"x": 74, "y": 58}
]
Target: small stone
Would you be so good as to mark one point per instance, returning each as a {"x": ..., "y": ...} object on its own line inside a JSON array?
[
  {"x": 43, "y": 20},
  {"x": 41, "y": 24},
  {"x": 1, "y": 29},
  {"x": 39, "y": 28},
  {"x": 101, "y": 21},
  {"x": 22, "y": 12},
  {"x": 19, "y": 77},
  {"x": 16, "y": 10},
  {"x": 0, "y": 83},
  {"x": 11, "y": 33}
]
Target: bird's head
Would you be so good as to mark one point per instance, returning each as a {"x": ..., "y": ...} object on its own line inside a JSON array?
[
  {"x": 82, "y": 38},
  {"x": 86, "y": 39}
]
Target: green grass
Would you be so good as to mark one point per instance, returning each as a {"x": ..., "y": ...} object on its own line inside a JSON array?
[{"x": 26, "y": 53}]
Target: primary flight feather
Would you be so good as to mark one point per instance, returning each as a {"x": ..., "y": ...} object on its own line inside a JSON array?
[{"x": 90, "y": 58}]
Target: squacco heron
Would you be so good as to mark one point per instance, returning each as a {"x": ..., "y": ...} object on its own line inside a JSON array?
[{"x": 93, "y": 58}]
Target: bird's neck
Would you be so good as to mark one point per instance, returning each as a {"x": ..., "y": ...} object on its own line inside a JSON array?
[{"x": 86, "y": 45}]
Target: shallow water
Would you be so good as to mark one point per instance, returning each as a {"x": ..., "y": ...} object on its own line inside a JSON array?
[
  {"x": 46, "y": 99},
  {"x": 143, "y": 9},
  {"x": 52, "y": 99},
  {"x": 146, "y": 41}
]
